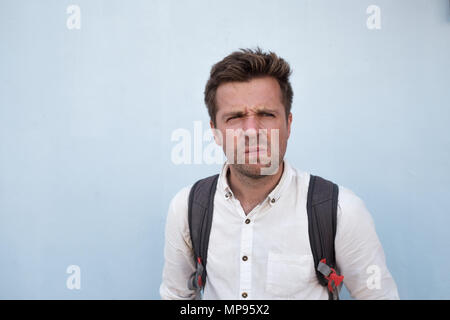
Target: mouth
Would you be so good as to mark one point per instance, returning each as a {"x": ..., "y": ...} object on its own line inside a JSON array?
[{"x": 254, "y": 150}]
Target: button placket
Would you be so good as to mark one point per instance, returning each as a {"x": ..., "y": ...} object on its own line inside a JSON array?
[
  {"x": 246, "y": 261},
  {"x": 272, "y": 201}
]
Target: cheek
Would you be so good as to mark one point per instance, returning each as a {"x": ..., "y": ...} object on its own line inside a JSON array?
[
  {"x": 282, "y": 134},
  {"x": 277, "y": 145},
  {"x": 231, "y": 137}
]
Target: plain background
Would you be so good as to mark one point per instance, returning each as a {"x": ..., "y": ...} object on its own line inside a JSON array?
[{"x": 86, "y": 118}]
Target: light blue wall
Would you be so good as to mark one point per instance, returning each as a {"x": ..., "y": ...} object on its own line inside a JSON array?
[{"x": 86, "y": 118}]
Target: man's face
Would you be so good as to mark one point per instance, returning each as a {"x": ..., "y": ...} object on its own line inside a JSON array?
[{"x": 253, "y": 107}]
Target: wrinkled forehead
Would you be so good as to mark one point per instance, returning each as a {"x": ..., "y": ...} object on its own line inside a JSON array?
[{"x": 254, "y": 95}]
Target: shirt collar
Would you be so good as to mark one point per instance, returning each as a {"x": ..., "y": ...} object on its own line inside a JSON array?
[{"x": 273, "y": 196}]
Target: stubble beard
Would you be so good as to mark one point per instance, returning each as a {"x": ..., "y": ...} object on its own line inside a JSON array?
[{"x": 253, "y": 171}]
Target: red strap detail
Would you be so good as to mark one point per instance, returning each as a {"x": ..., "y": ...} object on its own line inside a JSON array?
[
  {"x": 199, "y": 279},
  {"x": 333, "y": 276}
]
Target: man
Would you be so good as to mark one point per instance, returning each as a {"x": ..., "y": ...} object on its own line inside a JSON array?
[{"x": 259, "y": 246}]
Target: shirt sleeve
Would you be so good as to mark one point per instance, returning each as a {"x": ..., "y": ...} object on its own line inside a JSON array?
[
  {"x": 359, "y": 255},
  {"x": 178, "y": 254}
]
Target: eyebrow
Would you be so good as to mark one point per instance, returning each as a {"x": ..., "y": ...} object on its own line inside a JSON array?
[
  {"x": 232, "y": 113},
  {"x": 241, "y": 113}
]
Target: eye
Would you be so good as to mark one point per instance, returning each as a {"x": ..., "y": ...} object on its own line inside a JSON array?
[
  {"x": 233, "y": 117},
  {"x": 267, "y": 114}
]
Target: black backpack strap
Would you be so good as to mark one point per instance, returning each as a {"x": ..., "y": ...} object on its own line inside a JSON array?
[
  {"x": 200, "y": 214},
  {"x": 322, "y": 217}
]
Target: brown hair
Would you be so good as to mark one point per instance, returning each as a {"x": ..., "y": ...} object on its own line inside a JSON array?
[{"x": 244, "y": 65}]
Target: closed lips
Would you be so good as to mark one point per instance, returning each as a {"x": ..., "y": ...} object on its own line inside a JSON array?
[{"x": 254, "y": 149}]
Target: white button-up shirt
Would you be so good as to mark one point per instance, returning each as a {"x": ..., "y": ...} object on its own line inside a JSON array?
[{"x": 274, "y": 240}]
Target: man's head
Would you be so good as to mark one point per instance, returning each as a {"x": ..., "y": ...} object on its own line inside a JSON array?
[{"x": 249, "y": 91}]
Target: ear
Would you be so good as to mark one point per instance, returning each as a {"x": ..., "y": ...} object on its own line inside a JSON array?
[
  {"x": 216, "y": 133},
  {"x": 289, "y": 121}
]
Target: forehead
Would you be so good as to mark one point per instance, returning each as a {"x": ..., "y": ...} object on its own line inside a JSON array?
[{"x": 264, "y": 91}]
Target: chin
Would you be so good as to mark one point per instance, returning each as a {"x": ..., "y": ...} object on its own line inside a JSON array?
[{"x": 251, "y": 170}]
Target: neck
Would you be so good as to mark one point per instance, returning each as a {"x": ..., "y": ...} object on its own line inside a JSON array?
[{"x": 251, "y": 191}]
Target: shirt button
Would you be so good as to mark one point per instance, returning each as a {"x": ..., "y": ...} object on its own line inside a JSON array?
[
  {"x": 247, "y": 221},
  {"x": 273, "y": 200},
  {"x": 244, "y": 295},
  {"x": 244, "y": 258}
]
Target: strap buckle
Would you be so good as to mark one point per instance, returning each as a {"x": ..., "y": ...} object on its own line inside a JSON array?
[
  {"x": 196, "y": 280},
  {"x": 334, "y": 280}
]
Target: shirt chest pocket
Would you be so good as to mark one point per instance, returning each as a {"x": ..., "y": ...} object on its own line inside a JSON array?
[{"x": 289, "y": 275}]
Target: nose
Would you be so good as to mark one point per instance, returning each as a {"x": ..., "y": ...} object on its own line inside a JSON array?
[
  {"x": 251, "y": 128},
  {"x": 251, "y": 123}
]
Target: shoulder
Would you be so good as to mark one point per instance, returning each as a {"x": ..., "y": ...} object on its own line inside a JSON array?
[
  {"x": 180, "y": 199},
  {"x": 348, "y": 199},
  {"x": 178, "y": 209},
  {"x": 177, "y": 226},
  {"x": 179, "y": 203},
  {"x": 352, "y": 210}
]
